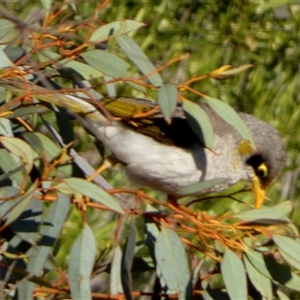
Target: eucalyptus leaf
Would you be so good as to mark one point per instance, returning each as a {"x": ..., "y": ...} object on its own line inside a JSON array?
[
  {"x": 23, "y": 111},
  {"x": 5, "y": 27},
  {"x": 282, "y": 274},
  {"x": 127, "y": 261},
  {"x": 167, "y": 99},
  {"x": 265, "y": 221},
  {"x": 81, "y": 264},
  {"x": 111, "y": 87},
  {"x": 171, "y": 259},
  {"x": 116, "y": 28},
  {"x": 294, "y": 282},
  {"x": 290, "y": 260},
  {"x": 257, "y": 260},
  {"x": 199, "y": 187},
  {"x": 139, "y": 58},
  {"x": 115, "y": 282},
  {"x": 20, "y": 149},
  {"x": 275, "y": 212},
  {"x": 227, "y": 113},
  {"x": 49, "y": 231},
  {"x": 22, "y": 202},
  {"x": 78, "y": 185},
  {"x": 50, "y": 149},
  {"x": 234, "y": 275},
  {"x": 5, "y": 62},
  {"x": 260, "y": 282},
  {"x": 12, "y": 167},
  {"x": 86, "y": 71},
  {"x": 199, "y": 122},
  {"x": 282, "y": 296},
  {"x": 290, "y": 247},
  {"x": 47, "y": 4},
  {"x": 107, "y": 62},
  {"x": 15, "y": 53},
  {"x": 6, "y": 127}
]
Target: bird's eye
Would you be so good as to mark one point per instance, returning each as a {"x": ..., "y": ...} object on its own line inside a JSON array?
[
  {"x": 262, "y": 170},
  {"x": 259, "y": 166}
]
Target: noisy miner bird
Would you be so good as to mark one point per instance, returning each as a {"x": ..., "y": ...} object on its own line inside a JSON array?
[{"x": 169, "y": 157}]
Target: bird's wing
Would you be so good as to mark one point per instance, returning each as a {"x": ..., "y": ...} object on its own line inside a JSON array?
[{"x": 145, "y": 117}]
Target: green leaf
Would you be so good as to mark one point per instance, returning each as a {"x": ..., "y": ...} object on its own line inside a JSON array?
[
  {"x": 282, "y": 296},
  {"x": 227, "y": 113},
  {"x": 139, "y": 58},
  {"x": 23, "y": 111},
  {"x": 5, "y": 206},
  {"x": 50, "y": 228},
  {"x": 257, "y": 260},
  {"x": 81, "y": 264},
  {"x": 260, "y": 282},
  {"x": 20, "y": 205},
  {"x": 127, "y": 260},
  {"x": 115, "y": 272},
  {"x": 5, "y": 27},
  {"x": 15, "y": 53},
  {"x": 7, "y": 191},
  {"x": 289, "y": 259},
  {"x": 289, "y": 248},
  {"x": 33, "y": 140},
  {"x": 199, "y": 122},
  {"x": 275, "y": 212},
  {"x": 111, "y": 87},
  {"x": 47, "y": 4},
  {"x": 237, "y": 70},
  {"x": 81, "y": 186},
  {"x": 172, "y": 262},
  {"x": 20, "y": 149},
  {"x": 294, "y": 282},
  {"x": 106, "y": 62},
  {"x": 266, "y": 221},
  {"x": 282, "y": 274},
  {"x": 116, "y": 28},
  {"x": 86, "y": 71},
  {"x": 4, "y": 60},
  {"x": 6, "y": 127},
  {"x": 152, "y": 233},
  {"x": 64, "y": 125},
  {"x": 167, "y": 99},
  {"x": 199, "y": 187},
  {"x": 234, "y": 275},
  {"x": 50, "y": 149},
  {"x": 11, "y": 167}
]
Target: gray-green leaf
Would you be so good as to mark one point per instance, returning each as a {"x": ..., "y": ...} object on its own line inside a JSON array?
[
  {"x": 234, "y": 275},
  {"x": 199, "y": 122},
  {"x": 171, "y": 259}
]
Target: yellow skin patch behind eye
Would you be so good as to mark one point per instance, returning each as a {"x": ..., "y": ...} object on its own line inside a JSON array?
[{"x": 245, "y": 148}]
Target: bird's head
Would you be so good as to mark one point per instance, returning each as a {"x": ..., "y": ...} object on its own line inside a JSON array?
[{"x": 267, "y": 160}]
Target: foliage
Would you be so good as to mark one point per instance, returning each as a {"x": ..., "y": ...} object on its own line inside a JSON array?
[{"x": 64, "y": 227}]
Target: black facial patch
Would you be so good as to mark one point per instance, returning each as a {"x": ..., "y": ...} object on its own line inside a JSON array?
[{"x": 256, "y": 161}]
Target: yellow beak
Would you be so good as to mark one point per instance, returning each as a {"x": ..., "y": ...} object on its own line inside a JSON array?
[{"x": 259, "y": 192}]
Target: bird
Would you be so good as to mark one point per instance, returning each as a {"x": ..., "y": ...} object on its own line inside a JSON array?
[{"x": 169, "y": 156}]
